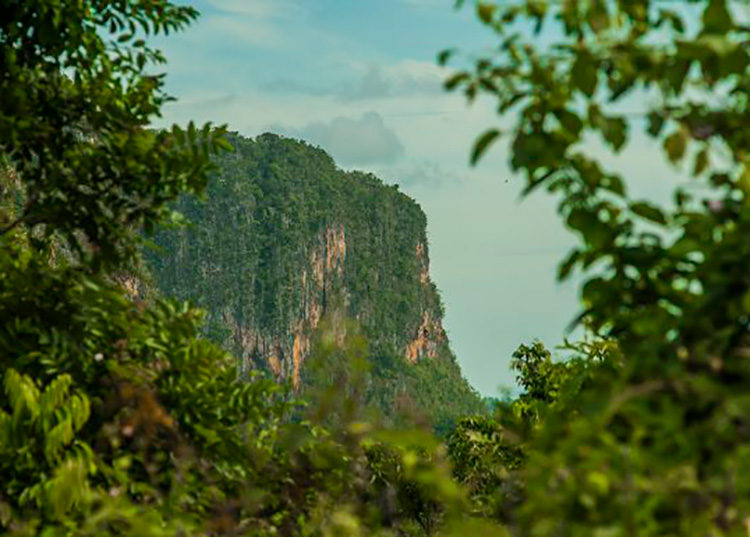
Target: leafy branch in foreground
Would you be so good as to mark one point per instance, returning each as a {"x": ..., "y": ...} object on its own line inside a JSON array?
[
  {"x": 658, "y": 444},
  {"x": 76, "y": 102}
]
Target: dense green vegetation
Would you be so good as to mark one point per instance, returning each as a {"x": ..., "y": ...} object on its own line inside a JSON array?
[
  {"x": 657, "y": 442},
  {"x": 263, "y": 220},
  {"x": 115, "y": 417},
  {"x": 118, "y": 418},
  {"x": 282, "y": 239}
]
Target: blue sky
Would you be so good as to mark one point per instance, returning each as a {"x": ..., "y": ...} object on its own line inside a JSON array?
[{"x": 359, "y": 78}]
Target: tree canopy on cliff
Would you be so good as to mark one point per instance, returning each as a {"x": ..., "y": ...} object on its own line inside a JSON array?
[{"x": 284, "y": 239}]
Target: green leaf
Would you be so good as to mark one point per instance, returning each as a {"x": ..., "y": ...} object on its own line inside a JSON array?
[
  {"x": 672, "y": 18},
  {"x": 445, "y": 56},
  {"x": 482, "y": 144},
  {"x": 486, "y": 12},
  {"x": 716, "y": 18},
  {"x": 614, "y": 184},
  {"x": 655, "y": 123},
  {"x": 568, "y": 264},
  {"x": 675, "y": 145},
  {"x": 648, "y": 211},
  {"x": 584, "y": 74},
  {"x": 599, "y": 481},
  {"x": 569, "y": 121},
  {"x": 455, "y": 80},
  {"x": 598, "y": 17},
  {"x": 191, "y": 133},
  {"x": 615, "y": 131},
  {"x": 701, "y": 162},
  {"x": 676, "y": 74},
  {"x": 585, "y": 221}
]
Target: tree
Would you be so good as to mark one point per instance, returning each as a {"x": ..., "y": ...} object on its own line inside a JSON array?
[
  {"x": 115, "y": 417},
  {"x": 490, "y": 453},
  {"x": 76, "y": 102},
  {"x": 658, "y": 442}
]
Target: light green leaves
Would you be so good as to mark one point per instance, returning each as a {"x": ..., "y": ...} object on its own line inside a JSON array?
[
  {"x": 53, "y": 415},
  {"x": 66, "y": 489},
  {"x": 23, "y": 396}
]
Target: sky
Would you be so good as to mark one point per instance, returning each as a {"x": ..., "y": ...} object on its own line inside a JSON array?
[{"x": 359, "y": 78}]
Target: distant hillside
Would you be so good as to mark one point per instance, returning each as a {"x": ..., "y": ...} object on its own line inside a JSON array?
[{"x": 284, "y": 239}]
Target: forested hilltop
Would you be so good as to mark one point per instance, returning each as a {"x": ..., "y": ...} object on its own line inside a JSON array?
[{"x": 284, "y": 242}]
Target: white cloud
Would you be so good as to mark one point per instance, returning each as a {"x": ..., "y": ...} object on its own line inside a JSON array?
[
  {"x": 371, "y": 85},
  {"x": 265, "y": 23},
  {"x": 403, "y": 78},
  {"x": 426, "y": 174},
  {"x": 360, "y": 141},
  {"x": 371, "y": 82}
]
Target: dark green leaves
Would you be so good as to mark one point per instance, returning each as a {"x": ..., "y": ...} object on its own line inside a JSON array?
[
  {"x": 702, "y": 161},
  {"x": 675, "y": 145},
  {"x": 444, "y": 56},
  {"x": 482, "y": 144},
  {"x": 716, "y": 18},
  {"x": 584, "y": 75},
  {"x": 485, "y": 11},
  {"x": 655, "y": 123},
  {"x": 76, "y": 125},
  {"x": 593, "y": 231},
  {"x": 570, "y": 121},
  {"x": 454, "y": 81},
  {"x": 666, "y": 284},
  {"x": 612, "y": 128},
  {"x": 598, "y": 16},
  {"x": 648, "y": 211}
]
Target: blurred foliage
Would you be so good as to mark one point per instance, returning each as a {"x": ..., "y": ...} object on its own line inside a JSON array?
[
  {"x": 116, "y": 418},
  {"x": 76, "y": 96},
  {"x": 656, "y": 443},
  {"x": 490, "y": 453}
]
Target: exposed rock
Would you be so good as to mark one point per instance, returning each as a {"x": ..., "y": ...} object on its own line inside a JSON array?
[{"x": 284, "y": 239}]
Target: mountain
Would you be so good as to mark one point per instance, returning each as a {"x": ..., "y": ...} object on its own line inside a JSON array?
[{"x": 284, "y": 239}]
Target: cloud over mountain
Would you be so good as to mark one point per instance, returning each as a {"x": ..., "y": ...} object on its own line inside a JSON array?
[{"x": 353, "y": 141}]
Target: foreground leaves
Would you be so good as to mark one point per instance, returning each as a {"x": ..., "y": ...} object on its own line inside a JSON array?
[{"x": 656, "y": 442}]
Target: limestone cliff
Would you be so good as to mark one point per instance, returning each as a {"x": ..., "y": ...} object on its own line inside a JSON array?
[{"x": 284, "y": 238}]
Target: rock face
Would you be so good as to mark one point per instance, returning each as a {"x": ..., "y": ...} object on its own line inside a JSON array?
[{"x": 282, "y": 239}]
